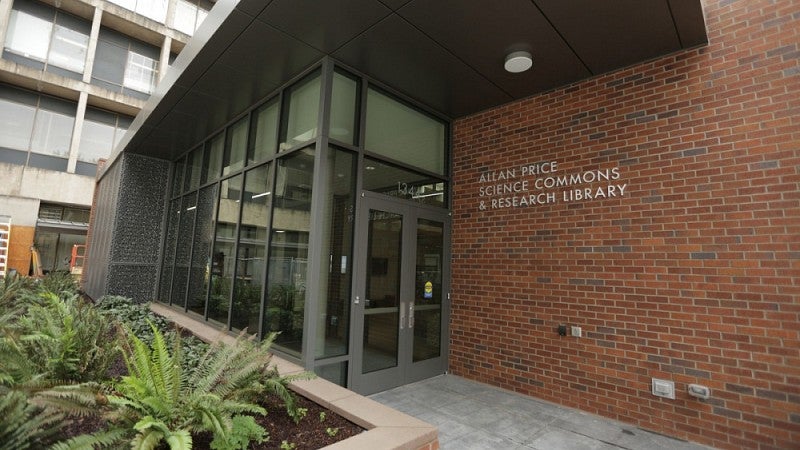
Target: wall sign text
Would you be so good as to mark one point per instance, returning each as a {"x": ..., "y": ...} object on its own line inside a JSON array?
[{"x": 542, "y": 183}]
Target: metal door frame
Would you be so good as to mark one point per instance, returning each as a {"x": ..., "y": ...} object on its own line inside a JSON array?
[{"x": 406, "y": 370}]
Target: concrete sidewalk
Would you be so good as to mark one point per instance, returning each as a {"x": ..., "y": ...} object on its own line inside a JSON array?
[{"x": 473, "y": 415}]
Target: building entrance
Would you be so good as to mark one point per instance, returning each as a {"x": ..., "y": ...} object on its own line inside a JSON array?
[{"x": 401, "y": 306}]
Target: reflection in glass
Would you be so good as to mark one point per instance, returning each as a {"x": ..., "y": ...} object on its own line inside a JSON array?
[
  {"x": 381, "y": 306},
  {"x": 335, "y": 372},
  {"x": 334, "y": 279},
  {"x": 183, "y": 249},
  {"x": 96, "y": 141},
  {"x": 288, "y": 251},
  {"x": 16, "y": 124},
  {"x": 223, "y": 258},
  {"x": 200, "y": 270},
  {"x": 301, "y": 117},
  {"x": 174, "y": 217},
  {"x": 214, "y": 149},
  {"x": 68, "y": 49},
  {"x": 235, "y": 148},
  {"x": 140, "y": 72},
  {"x": 264, "y": 131},
  {"x": 397, "y": 182},
  {"x": 177, "y": 177},
  {"x": 256, "y": 203},
  {"x": 343, "y": 108},
  {"x": 194, "y": 167},
  {"x": 28, "y": 35},
  {"x": 52, "y": 133},
  {"x": 404, "y": 134},
  {"x": 428, "y": 290}
]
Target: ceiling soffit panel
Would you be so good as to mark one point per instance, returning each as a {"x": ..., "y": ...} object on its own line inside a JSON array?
[
  {"x": 260, "y": 61},
  {"x": 607, "y": 35},
  {"x": 399, "y": 55},
  {"x": 481, "y": 34},
  {"x": 325, "y": 25},
  {"x": 394, "y": 4},
  {"x": 689, "y": 22}
]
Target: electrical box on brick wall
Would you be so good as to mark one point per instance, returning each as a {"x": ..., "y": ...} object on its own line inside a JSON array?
[{"x": 664, "y": 388}]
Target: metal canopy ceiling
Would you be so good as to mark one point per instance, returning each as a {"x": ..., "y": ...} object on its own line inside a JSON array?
[{"x": 447, "y": 54}]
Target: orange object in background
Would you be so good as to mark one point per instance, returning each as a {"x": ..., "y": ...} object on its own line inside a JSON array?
[{"x": 77, "y": 260}]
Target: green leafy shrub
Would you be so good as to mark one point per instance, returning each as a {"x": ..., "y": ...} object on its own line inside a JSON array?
[
  {"x": 59, "y": 282},
  {"x": 67, "y": 339},
  {"x": 244, "y": 430},
  {"x": 24, "y": 424},
  {"x": 137, "y": 317},
  {"x": 158, "y": 402}
]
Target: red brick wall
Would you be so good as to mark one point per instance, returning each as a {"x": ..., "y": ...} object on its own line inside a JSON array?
[{"x": 691, "y": 276}]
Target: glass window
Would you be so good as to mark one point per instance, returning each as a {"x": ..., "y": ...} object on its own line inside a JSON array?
[
  {"x": 213, "y": 163},
  {"x": 404, "y": 134},
  {"x": 185, "y": 16},
  {"x": 124, "y": 62},
  {"x": 52, "y": 133},
  {"x": 200, "y": 269},
  {"x": 428, "y": 303},
  {"x": 343, "y": 108},
  {"x": 28, "y": 35},
  {"x": 40, "y": 33},
  {"x": 264, "y": 132},
  {"x": 194, "y": 168},
  {"x": 16, "y": 124},
  {"x": 153, "y": 9},
  {"x": 140, "y": 72},
  {"x": 183, "y": 250},
  {"x": 68, "y": 50},
  {"x": 402, "y": 183},
  {"x": 100, "y": 133},
  {"x": 109, "y": 64},
  {"x": 97, "y": 140},
  {"x": 127, "y": 4},
  {"x": 334, "y": 278},
  {"x": 251, "y": 259},
  {"x": 223, "y": 257},
  {"x": 302, "y": 113},
  {"x": 288, "y": 251},
  {"x": 235, "y": 148},
  {"x": 177, "y": 177}
]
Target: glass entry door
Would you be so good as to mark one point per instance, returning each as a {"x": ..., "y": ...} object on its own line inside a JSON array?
[{"x": 400, "y": 305}]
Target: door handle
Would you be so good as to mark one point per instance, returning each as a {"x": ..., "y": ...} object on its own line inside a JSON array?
[
  {"x": 411, "y": 315},
  {"x": 402, "y": 317}
]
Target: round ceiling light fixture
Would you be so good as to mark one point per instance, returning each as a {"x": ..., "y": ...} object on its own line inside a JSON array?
[{"x": 517, "y": 62}]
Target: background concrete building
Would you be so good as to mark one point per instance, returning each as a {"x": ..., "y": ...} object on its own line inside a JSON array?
[{"x": 73, "y": 74}]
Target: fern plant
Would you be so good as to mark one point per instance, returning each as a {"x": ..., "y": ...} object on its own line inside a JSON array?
[
  {"x": 67, "y": 338},
  {"x": 23, "y": 424},
  {"x": 157, "y": 401}
]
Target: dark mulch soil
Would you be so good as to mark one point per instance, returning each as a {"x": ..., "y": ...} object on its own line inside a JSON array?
[{"x": 310, "y": 434}]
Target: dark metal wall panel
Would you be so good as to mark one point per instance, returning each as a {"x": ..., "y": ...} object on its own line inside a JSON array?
[
  {"x": 689, "y": 22},
  {"x": 102, "y": 228}
]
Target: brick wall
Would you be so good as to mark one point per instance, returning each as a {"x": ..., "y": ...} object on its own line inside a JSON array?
[{"x": 687, "y": 273}]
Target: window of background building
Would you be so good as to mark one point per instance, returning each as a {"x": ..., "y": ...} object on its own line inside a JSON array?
[
  {"x": 101, "y": 131},
  {"x": 59, "y": 229},
  {"x": 190, "y": 14},
  {"x": 153, "y": 9},
  {"x": 123, "y": 64},
  {"x": 35, "y": 129},
  {"x": 42, "y": 37}
]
